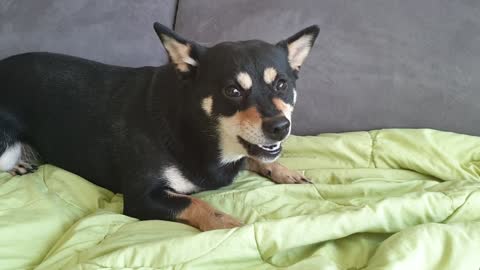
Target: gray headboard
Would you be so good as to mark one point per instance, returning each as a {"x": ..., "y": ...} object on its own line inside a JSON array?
[
  {"x": 376, "y": 63},
  {"x": 112, "y": 31}
]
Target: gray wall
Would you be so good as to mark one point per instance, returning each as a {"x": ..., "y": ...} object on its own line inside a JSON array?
[
  {"x": 376, "y": 64},
  {"x": 112, "y": 31}
]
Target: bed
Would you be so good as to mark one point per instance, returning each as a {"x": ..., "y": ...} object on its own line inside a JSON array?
[
  {"x": 404, "y": 199},
  {"x": 383, "y": 199}
]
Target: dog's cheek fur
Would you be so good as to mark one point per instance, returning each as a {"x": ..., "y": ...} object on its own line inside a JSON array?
[
  {"x": 251, "y": 125},
  {"x": 230, "y": 149},
  {"x": 246, "y": 124}
]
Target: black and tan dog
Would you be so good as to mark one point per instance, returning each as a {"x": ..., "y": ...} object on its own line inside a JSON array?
[{"x": 156, "y": 134}]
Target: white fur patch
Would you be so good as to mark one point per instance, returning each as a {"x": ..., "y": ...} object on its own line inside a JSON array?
[
  {"x": 298, "y": 51},
  {"x": 230, "y": 148},
  {"x": 244, "y": 80},
  {"x": 11, "y": 156},
  {"x": 179, "y": 53},
  {"x": 207, "y": 104},
  {"x": 269, "y": 75},
  {"x": 177, "y": 181},
  {"x": 294, "y": 96},
  {"x": 288, "y": 112}
]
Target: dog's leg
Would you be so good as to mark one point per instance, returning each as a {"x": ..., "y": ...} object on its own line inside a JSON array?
[
  {"x": 19, "y": 159},
  {"x": 16, "y": 157},
  {"x": 28, "y": 162},
  {"x": 10, "y": 155},
  {"x": 23, "y": 168},
  {"x": 276, "y": 172},
  {"x": 201, "y": 215},
  {"x": 10, "y": 147},
  {"x": 167, "y": 205}
]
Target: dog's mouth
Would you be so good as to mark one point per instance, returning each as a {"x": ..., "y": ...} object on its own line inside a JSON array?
[{"x": 265, "y": 152}]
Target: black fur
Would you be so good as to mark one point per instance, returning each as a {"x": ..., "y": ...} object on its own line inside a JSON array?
[{"x": 120, "y": 127}]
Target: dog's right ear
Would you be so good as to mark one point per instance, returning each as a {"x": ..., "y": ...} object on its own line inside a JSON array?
[
  {"x": 299, "y": 45},
  {"x": 182, "y": 53}
]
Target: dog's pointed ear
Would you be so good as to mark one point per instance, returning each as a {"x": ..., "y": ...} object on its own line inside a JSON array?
[
  {"x": 299, "y": 45},
  {"x": 184, "y": 54}
]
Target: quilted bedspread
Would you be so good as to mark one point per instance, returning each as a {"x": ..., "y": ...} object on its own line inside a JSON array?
[{"x": 384, "y": 199}]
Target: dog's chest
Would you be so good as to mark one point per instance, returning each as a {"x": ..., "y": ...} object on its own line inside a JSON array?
[
  {"x": 187, "y": 182},
  {"x": 177, "y": 181}
]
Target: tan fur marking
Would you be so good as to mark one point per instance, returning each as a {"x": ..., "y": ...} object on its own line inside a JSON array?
[
  {"x": 207, "y": 104},
  {"x": 246, "y": 124},
  {"x": 244, "y": 80},
  {"x": 250, "y": 115},
  {"x": 279, "y": 104},
  {"x": 201, "y": 215},
  {"x": 285, "y": 108},
  {"x": 269, "y": 75},
  {"x": 276, "y": 172},
  {"x": 179, "y": 53}
]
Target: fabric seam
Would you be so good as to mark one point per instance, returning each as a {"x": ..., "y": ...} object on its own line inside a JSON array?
[{"x": 373, "y": 143}]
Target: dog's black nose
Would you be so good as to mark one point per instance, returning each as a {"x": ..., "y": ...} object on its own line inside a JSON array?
[{"x": 276, "y": 128}]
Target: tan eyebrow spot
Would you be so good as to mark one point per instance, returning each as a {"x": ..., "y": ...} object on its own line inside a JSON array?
[
  {"x": 269, "y": 75},
  {"x": 207, "y": 104},
  {"x": 244, "y": 80}
]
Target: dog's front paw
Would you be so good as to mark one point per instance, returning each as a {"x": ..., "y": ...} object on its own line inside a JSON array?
[
  {"x": 23, "y": 168},
  {"x": 276, "y": 172},
  {"x": 282, "y": 175},
  {"x": 204, "y": 217},
  {"x": 220, "y": 221}
]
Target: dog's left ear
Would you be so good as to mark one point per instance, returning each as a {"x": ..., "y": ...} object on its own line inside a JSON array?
[
  {"x": 298, "y": 46},
  {"x": 184, "y": 54}
]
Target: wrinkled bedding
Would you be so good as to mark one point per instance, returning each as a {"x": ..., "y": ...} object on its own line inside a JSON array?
[{"x": 384, "y": 199}]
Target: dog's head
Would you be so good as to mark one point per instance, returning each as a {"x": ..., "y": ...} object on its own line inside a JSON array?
[{"x": 246, "y": 87}]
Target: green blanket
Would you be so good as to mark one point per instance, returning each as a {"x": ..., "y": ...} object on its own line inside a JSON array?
[{"x": 387, "y": 199}]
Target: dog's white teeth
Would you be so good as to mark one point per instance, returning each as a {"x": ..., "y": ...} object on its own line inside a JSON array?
[{"x": 270, "y": 147}]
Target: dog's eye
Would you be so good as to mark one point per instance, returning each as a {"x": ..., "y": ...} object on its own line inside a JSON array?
[
  {"x": 232, "y": 92},
  {"x": 281, "y": 85}
]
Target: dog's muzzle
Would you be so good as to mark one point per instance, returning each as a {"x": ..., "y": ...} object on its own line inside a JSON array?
[
  {"x": 263, "y": 152},
  {"x": 276, "y": 128}
]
